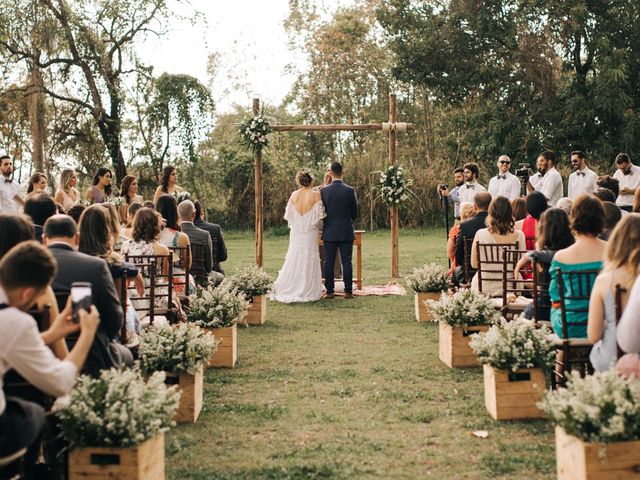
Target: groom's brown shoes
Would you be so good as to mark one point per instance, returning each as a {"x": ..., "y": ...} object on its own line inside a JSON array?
[
  {"x": 329, "y": 296},
  {"x": 348, "y": 295}
]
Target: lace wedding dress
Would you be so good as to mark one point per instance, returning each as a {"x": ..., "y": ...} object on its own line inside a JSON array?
[{"x": 300, "y": 279}]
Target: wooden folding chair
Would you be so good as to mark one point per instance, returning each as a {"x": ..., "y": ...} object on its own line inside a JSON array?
[
  {"x": 620, "y": 291},
  {"x": 181, "y": 270},
  {"x": 157, "y": 270},
  {"x": 467, "y": 270},
  {"x": 517, "y": 287},
  {"x": 541, "y": 300},
  {"x": 574, "y": 290},
  {"x": 198, "y": 264},
  {"x": 490, "y": 269}
]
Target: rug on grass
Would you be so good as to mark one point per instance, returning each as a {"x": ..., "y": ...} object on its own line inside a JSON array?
[{"x": 391, "y": 288}]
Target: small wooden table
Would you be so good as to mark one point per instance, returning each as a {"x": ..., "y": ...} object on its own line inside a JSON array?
[{"x": 357, "y": 242}]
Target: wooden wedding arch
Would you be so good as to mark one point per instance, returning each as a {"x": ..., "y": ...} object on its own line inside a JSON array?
[{"x": 392, "y": 127}]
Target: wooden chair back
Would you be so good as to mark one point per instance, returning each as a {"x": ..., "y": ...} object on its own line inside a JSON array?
[
  {"x": 541, "y": 299},
  {"x": 121, "y": 288},
  {"x": 181, "y": 269},
  {"x": 490, "y": 262},
  {"x": 620, "y": 291},
  {"x": 157, "y": 270},
  {"x": 467, "y": 269},
  {"x": 510, "y": 285},
  {"x": 198, "y": 264}
]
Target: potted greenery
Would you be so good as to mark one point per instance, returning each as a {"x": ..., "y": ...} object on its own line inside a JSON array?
[
  {"x": 460, "y": 315},
  {"x": 254, "y": 283},
  {"x": 115, "y": 425},
  {"x": 428, "y": 283},
  {"x": 597, "y": 422},
  {"x": 515, "y": 356},
  {"x": 218, "y": 310},
  {"x": 181, "y": 352}
]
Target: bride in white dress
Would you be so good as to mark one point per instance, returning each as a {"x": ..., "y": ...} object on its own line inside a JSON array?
[{"x": 300, "y": 279}]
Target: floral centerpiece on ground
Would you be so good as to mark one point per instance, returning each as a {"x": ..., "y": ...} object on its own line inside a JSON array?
[
  {"x": 183, "y": 348},
  {"x": 251, "y": 281},
  {"x": 213, "y": 307},
  {"x": 118, "y": 409},
  {"x": 393, "y": 186},
  {"x": 464, "y": 308},
  {"x": 254, "y": 133},
  {"x": 514, "y": 345},
  {"x": 181, "y": 196},
  {"x": 603, "y": 407},
  {"x": 429, "y": 278}
]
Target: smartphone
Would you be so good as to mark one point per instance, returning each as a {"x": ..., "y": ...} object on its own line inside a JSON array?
[{"x": 80, "y": 298}]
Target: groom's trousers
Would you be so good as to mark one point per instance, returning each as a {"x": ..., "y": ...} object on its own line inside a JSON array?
[{"x": 346, "y": 251}]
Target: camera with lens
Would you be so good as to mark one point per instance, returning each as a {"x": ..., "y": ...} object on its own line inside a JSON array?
[
  {"x": 443, "y": 186},
  {"x": 523, "y": 171}
]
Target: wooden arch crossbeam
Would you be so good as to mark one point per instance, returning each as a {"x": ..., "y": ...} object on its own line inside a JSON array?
[{"x": 392, "y": 127}]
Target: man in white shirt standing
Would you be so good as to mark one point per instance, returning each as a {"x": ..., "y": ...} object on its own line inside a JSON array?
[
  {"x": 468, "y": 191},
  {"x": 10, "y": 200},
  {"x": 628, "y": 176},
  {"x": 583, "y": 180},
  {"x": 548, "y": 180},
  {"x": 505, "y": 183}
]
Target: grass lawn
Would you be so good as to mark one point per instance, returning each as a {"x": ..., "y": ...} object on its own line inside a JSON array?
[{"x": 350, "y": 389}]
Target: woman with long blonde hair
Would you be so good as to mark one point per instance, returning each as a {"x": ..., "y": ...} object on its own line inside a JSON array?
[
  {"x": 67, "y": 194},
  {"x": 622, "y": 265}
]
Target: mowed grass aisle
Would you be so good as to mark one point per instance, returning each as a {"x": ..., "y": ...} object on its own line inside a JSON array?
[{"x": 350, "y": 389}]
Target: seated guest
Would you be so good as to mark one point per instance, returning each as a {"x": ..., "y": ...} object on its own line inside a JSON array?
[
  {"x": 39, "y": 207},
  {"x": 466, "y": 212},
  {"x": 500, "y": 229},
  {"x": 216, "y": 235},
  {"x": 536, "y": 203},
  {"x": 61, "y": 236},
  {"x": 468, "y": 230},
  {"x": 565, "y": 203},
  {"x": 187, "y": 213},
  {"x": 131, "y": 212},
  {"x": 587, "y": 253},
  {"x": 628, "y": 330},
  {"x": 605, "y": 195},
  {"x": 75, "y": 212},
  {"x": 25, "y": 273},
  {"x": 553, "y": 234},
  {"x": 519, "y": 206},
  {"x": 606, "y": 181},
  {"x": 612, "y": 215},
  {"x": 621, "y": 268}
]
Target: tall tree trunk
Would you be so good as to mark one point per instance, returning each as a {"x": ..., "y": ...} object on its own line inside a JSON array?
[
  {"x": 36, "y": 117},
  {"x": 110, "y": 130},
  {"x": 428, "y": 126}
]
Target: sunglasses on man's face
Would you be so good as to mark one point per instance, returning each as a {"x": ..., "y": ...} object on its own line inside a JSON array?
[{"x": 503, "y": 162}]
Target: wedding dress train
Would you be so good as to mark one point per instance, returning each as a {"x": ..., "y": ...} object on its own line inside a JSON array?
[{"x": 300, "y": 279}]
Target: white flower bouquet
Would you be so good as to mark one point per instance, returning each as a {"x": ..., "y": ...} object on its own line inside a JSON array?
[
  {"x": 115, "y": 201},
  {"x": 603, "y": 407},
  {"x": 254, "y": 133},
  {"x": 514, "y": 345},
  {"x": 430, "y": 278},
  {"x": 175, "y": 349},
  {"x": 181, "y": 196},
  {"x": 464, "y": 308},
  {"x": 217, "y": 307},
  {"x": 251, "y": 281},
  {"x": 118, "y": 409},
  {"x": 393, "y": 186}
]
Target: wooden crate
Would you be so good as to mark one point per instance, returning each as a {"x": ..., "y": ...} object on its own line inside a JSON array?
[
  {"x": 454, "y": 349},
  {"x": 579, "y": 460},
  {"x": 257, "y": 314},
  {"x": 227, "y": 354},
  {"x": 512, "y": 395},
  {"x": 191, "y": 388},
  {"x": 423, "y": 314},
  {"x": 146, "y": 461}
]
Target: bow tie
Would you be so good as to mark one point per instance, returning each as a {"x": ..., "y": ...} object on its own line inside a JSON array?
[
  {"x": 470, "y": 185},
  {"x": 501, "y": 177},
  {"x": 541, "y": 174},
  {"x": 628, "y": 172},
  {"x": 6, "y": 180},
  {"x": 581, "y": 173}
]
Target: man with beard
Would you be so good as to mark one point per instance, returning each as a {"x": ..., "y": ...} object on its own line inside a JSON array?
[
  {"x": 454, "y": 194},
  {"x": 583, "y": 180},
  {"x": 548, "y": 179},
  {"x": 10, "y": 200},
  {"x": 471, "y": 186},
  {"x": 628, "y": 176}
]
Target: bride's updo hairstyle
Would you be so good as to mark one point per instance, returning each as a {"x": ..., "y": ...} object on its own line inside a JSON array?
[{"x": 304, "y": 178}]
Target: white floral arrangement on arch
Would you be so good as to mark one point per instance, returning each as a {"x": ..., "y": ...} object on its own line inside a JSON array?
[
  {"x": 183, "y": 348},
  {"x": 429, "y": 278},
  {"x": 254, "y": 133},
  {"x": 463, "y": 309},
  {"x": 603, "y": 407},
  {"x": 118, "y": 409},
  {"x": 393, "y": 186},
  {"x": 515, "y": 345},
  {"x": 217, "y": 307},
  {"x": 251, "y": 281},
  {"x": 181, "y": 196}
]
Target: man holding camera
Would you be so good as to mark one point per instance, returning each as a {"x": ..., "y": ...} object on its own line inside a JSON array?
[
  {"x": 454, "y": 194},
  {"x": 505, "y": 183},
  {"x": 548, "y": 179},
  {"x": 583, "y": 180}
]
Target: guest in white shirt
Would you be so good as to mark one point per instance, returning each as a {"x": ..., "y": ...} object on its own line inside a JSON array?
[
  {"x": 505, "y": 183},
  {"x": 468, "y": 191},
  {"x": 549, "y": 181},
  {"x": 628, "y": 176},
  {"x": 25, "y": 273},
  {"x": 583, "y": 179},
  {"x": 10, "y": 200}
]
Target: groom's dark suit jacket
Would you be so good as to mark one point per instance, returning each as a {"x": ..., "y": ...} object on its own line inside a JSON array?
[{"x": 341, "y": 205}]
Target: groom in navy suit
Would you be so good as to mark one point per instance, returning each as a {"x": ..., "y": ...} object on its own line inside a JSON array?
[{"x": 341, "y": 206}]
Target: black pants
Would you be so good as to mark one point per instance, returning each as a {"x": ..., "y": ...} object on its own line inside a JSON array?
[
  {"x": 346, "y": 252},
  {"x": 21, "y": 425}
]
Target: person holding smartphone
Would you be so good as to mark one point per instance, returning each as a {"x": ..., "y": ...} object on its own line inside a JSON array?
[{"x": 25, "y": 273}]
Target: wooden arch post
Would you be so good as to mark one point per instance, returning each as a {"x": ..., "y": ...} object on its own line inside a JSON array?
[
  {"x": 259, "y": 196},
  {"x": 393, "y": 117}
]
